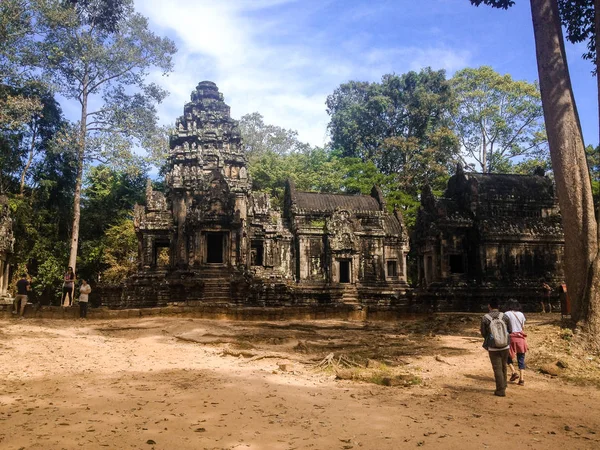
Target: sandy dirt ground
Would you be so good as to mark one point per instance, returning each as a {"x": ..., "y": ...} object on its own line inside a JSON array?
[{"x": 182, "y": 383}]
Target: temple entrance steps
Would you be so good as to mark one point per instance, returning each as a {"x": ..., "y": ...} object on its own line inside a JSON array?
[
  {"x": 217, "y": 281},
  {"x": 350, "y": 295},
  {"x": 216, "y": 290}
]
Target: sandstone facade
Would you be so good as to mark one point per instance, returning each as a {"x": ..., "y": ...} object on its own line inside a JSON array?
[
  {"x": 490, "y": 235},
  {"x": 208, "y": 239}
]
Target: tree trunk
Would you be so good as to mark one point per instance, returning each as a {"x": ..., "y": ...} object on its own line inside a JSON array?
[
  {"x": 79, "y": 178},
  {"x": 591, "y": 308},
  {"x": 29, "y": 160},
  {"x": 568, "y": 157},
  {"x": 483, "y": 152}
]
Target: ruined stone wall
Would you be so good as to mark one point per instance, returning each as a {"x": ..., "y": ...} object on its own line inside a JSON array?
[{"x": 490, "y": 235}]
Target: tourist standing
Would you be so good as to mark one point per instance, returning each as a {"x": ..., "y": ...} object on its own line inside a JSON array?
[
  {"x": 84, "y": 291},
  {"x": 68, "y": 286},
  {"x": 546, "y": 302},
  {"x": 495, "y": 328},
  {"x": 23, "y": 288},
  {"x": 518, "y": 341}
]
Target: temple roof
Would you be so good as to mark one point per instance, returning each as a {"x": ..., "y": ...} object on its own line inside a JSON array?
[
  {"x": 526, "y": 184},
  {"x": 503, "y": 186},
  {"x": 313, "y": 201}
]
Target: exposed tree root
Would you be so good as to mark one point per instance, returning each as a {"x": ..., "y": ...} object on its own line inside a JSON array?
[{"x": 330, "y": 361}]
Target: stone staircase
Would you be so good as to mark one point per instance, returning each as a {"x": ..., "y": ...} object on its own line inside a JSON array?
[
  {"x": 217, "y": 285},
  {"x": 350, "y": 295}
]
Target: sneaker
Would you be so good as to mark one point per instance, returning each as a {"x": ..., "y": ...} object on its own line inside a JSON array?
[
  {"x": 522, "y": 383},
  {"x": 514, "y": 377}
]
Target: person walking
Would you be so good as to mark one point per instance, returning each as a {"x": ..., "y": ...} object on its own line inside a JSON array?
[
  {"x": 23, "y": 288},
  {"x": 84, "y": 291},
  {"x": 495, "y": 328},
  {"x": 68, "y": 286},
  {"x": 518, "y": 341}
]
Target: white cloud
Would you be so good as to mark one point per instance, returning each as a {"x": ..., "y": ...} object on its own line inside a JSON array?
[{"x": 269, "y": 56}]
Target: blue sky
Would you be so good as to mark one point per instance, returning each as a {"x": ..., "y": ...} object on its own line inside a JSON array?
[{"x": 283, "y": 57}]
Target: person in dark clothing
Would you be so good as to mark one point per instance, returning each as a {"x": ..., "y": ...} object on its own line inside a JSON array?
[
  {"x": 23, "y": 288},
  {"x": 498, "y": 356},
  {"x": 68, "y": 286},
  {"x": 546, "y": 302}
]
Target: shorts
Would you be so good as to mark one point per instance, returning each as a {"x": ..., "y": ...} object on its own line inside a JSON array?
[{"x": 21, "y": 298}]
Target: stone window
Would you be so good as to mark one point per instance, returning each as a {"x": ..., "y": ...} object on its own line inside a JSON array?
[
  {"x": 392, "y": 269},
  {"x": 162, "y": 254}
]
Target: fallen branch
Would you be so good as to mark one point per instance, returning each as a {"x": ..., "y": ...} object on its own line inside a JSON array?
[
  {"x": 227, "y": 352},
  {"x": 269, "y": 355},
  {"x": 184, "y": 339},
  {"x": 442, "y": 360}
]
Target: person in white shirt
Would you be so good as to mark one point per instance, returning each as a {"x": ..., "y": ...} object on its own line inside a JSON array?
[
  {"x": 518, "y": 341},
  {"x": 84, "y": 291}
]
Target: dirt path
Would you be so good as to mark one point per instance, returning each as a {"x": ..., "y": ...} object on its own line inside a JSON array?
[{"x": 165, "y": 383}]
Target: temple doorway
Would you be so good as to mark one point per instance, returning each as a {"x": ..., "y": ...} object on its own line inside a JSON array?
[
  {"x": 344, "y": 271},
  {"x": 215, "y": 244}
]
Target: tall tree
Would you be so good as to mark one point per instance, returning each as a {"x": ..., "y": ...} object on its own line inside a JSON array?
[
  {"x": 567, "y": 151},
  {"x": 498, "y": 118},
  {"x": 102, "y": 65},
  {"x": 401, "y": 124},
  {"x": 17, "y": 41},
  {"x": 260, "y": 138}
]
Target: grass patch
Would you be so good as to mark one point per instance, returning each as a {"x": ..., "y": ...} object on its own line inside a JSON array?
[{"x": 382, "y": 376}]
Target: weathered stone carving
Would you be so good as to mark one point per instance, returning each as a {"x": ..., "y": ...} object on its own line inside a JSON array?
[
  {"x": 490, "y": 235},
  {"x": 226, "y": 245}
]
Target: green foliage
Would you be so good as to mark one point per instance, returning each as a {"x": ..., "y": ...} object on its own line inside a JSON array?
[
  {"x": 41, "y": 223},
  {"x": 105, "y": 66},
  {"x": 312, "y": 169},
  {"x": 503, "y": 4},
  {"x": 402, "y": 125},
  {"x": 261, "y": 138},
  {"x": 498, "y": 119},
  {"x": 593, "y": 158},
  {"x": 120, "y": 254},
  {"x": 108, "y": 200},
  {"x": 578, "y": 19},
  {"x": 17, "y": 42}
]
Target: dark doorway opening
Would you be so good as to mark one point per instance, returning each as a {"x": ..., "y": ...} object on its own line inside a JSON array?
[
  {"x": 344, "y": 271},
  {"x": 456, "y": 264},
  {"x": 256, "y": 253},
  {"x": 214, "y": 248}
]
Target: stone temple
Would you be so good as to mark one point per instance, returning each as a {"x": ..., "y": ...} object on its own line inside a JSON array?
[
  {"x": 7, "y": 242},
  {"x": 208, "y": 239},
  {"x": 490, "y": 235}
]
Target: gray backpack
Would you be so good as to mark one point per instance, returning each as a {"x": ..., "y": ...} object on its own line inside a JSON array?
[{"x": 499, "y": 337}]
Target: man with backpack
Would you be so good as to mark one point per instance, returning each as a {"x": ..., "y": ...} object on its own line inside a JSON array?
[{"x": 495, "y": 328}]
